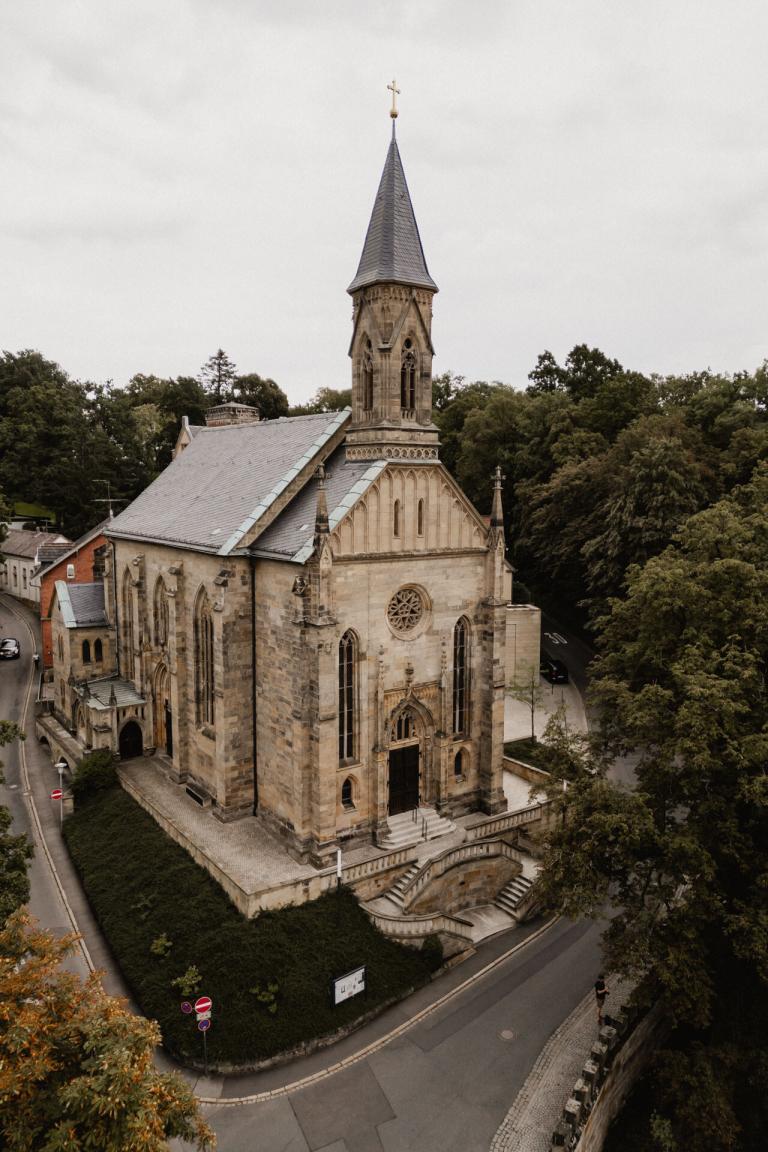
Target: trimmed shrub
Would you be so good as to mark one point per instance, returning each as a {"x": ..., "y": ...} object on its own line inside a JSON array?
[
  {"x": 289, "y": 957},
  {"x": 96, "y": 772}
]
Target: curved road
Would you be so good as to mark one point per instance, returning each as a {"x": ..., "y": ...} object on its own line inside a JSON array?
[{"x": 444, "y": 1083}]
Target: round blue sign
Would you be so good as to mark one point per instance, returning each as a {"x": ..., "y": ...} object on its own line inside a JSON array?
[
  {"x": 203, "y": 1025},
  {"x": 186, "y": 1007}
]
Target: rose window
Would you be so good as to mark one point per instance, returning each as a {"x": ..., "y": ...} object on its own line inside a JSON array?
[{"x": 405, "y": 609}]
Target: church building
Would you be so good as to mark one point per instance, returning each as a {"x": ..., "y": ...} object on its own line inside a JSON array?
[{"x": 309, "y": 617}]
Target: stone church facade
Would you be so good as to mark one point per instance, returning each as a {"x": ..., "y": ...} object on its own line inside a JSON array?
[{"x": 311, "y": 615}]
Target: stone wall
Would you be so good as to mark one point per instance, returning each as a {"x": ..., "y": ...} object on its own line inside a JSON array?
[
  {"x": 617, "y": 1059},
  {"x": 523, "y": 645}
]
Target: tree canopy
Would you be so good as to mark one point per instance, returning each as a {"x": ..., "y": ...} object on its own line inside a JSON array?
[
  {"x": 683, "y": 859},
  {"x": 76, "y": 1068}
]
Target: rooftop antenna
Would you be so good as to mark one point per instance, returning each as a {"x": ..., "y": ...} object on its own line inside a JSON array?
[{"x": 108, "y": 499}]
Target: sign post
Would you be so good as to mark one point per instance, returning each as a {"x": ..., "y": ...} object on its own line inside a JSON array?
[
  {"x": 203, "y": 1009},
  {"x": 58, "y": 794}
]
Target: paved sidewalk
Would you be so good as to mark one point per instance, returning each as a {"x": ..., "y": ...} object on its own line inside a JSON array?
[
  {"x": 539, "y": 1104},
  {"x": 517, "y": 715}
]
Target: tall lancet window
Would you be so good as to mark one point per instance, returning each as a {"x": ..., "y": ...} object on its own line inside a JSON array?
[
  {"x": 408, "y": 377},
  {"x": 461, "y": 677},
  {"x": 347, "y": 695},
  {"x": 128, "y": 636},
  {"x": 204, "y": 667},
  {"x": 367, "y": 376}
]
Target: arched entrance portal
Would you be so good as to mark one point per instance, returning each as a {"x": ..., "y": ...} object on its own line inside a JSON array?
[
  {"x": 404, "y": 763},
  {"x": 131, "y": 741},
  {"x": 163, "y": 714}
]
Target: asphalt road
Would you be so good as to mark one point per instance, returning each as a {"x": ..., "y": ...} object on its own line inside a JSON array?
[{"x": 448, "y": 1082}]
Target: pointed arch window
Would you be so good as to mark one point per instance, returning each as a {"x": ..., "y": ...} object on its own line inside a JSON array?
[
  {"x": 367, "y": 376},
  {"x": 348, "y": 658},
  {"x": 86, "y": 651},
  {"x": 348, "y": 793},
  {"x": 420, "y": 518},
  {"x": 404, "y": 727},
  {"x": 161, "y": 613},
  {"x": 128, "y": 634},
  {"x": 461, "y": 677},
  {"x": 204, "y": 666},
  {"x": 396, "y": 520},
  {"x": 408, "y": 377},
  {"x": 98, "y": 651}
]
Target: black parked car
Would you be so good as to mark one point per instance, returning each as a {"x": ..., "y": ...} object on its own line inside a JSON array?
[
  {"x": 553, "y": 670},
  {"x": 9, "y": 649}
]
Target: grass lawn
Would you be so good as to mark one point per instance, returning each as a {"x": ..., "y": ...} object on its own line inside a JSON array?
[
  {"x": 526, "y": 750},
  {"x": 33, "y": 511},
  {"x": 143, "y": 886}
]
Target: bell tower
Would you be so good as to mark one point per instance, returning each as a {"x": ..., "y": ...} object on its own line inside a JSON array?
[{"x": 391, "y": 348}]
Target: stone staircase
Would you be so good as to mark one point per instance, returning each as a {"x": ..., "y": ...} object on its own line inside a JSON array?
[
  {"x": 405, "y": 831},
  {"x": 392, "y": 901},
  {"x": 512, "y": 895}
]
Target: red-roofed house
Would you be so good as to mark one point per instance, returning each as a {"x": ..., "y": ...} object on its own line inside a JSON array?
[{"x": 82, "y": 563}]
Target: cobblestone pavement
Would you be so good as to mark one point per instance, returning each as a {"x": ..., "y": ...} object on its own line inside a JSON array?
[{"x": 530, "y": 1121}]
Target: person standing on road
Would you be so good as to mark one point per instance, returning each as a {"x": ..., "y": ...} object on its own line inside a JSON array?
[{"x": 601, "y": 992}]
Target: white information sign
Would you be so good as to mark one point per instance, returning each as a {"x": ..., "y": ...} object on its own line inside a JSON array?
[{"x": 345, "y": 987}]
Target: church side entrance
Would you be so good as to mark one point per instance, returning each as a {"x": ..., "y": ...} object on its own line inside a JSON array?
[{"x": 403, "y": 779}]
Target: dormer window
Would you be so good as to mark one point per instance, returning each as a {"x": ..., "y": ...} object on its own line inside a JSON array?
[
  {"x": 408, "y": 377},
  {"x": 367, "y": 376}
]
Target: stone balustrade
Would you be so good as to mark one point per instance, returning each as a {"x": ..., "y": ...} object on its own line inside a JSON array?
[
  {"x": 494, "y": 825},
  {"x": 419, "y": 927}
]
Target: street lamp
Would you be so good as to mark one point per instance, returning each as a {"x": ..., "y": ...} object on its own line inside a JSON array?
[{"x": 60, "y": 765}]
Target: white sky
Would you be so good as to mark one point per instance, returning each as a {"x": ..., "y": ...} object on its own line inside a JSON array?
[{"x": 179, "y": 175}]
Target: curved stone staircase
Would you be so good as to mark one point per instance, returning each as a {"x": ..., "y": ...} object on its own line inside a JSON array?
[{"x": 388, "y": 910}]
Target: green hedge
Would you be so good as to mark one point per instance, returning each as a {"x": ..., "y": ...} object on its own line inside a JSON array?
[
  {"x": 144, "y": 887},
  {"x": 527, "y": 750}
]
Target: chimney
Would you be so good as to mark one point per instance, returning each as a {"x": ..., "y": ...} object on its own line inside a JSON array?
[{"x": 231, "y": 413}]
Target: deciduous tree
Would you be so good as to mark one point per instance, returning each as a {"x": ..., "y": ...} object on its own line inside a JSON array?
[{"x": 76, "y": 1071}]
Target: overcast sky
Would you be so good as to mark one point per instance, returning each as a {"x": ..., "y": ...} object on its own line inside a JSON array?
[{"x": 182, "y": 175}]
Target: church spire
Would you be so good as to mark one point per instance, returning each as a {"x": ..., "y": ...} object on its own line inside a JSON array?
[
  {"x": 392, "y": 252},
  {"x": 391, "y": 346}
]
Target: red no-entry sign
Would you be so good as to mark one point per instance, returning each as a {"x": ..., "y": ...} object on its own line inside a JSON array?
[
  {"x": 56, "y": 794},
  {"x": 203, "y": 1004}
]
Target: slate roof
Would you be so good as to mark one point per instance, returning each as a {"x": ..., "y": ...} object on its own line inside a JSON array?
[
  {"x": 291, "y": 534},
  {"x": 82, "y": 605},
  {"x": 100, "y": 690},
  {"x": 55, "y": 553},
  {"x": 392, "y": 249},
  {"x": 22, "y": 542},
  {"x": 216, "y": 490}
]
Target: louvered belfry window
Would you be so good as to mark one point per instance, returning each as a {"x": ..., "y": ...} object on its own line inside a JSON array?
[
  {"x": 347, "y": 696},
  {"x": 408, "y": 378},
  {"x": 367, "y": 377}
]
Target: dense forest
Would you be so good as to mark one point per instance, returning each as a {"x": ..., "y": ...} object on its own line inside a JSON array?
[{"x": 638, "y": 506}]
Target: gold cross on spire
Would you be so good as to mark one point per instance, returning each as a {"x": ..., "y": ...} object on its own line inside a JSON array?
[{"x": 393, "y": 88}]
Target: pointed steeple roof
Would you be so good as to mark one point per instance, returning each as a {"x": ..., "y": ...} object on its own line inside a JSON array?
[{"x": 392, "y": 251}]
